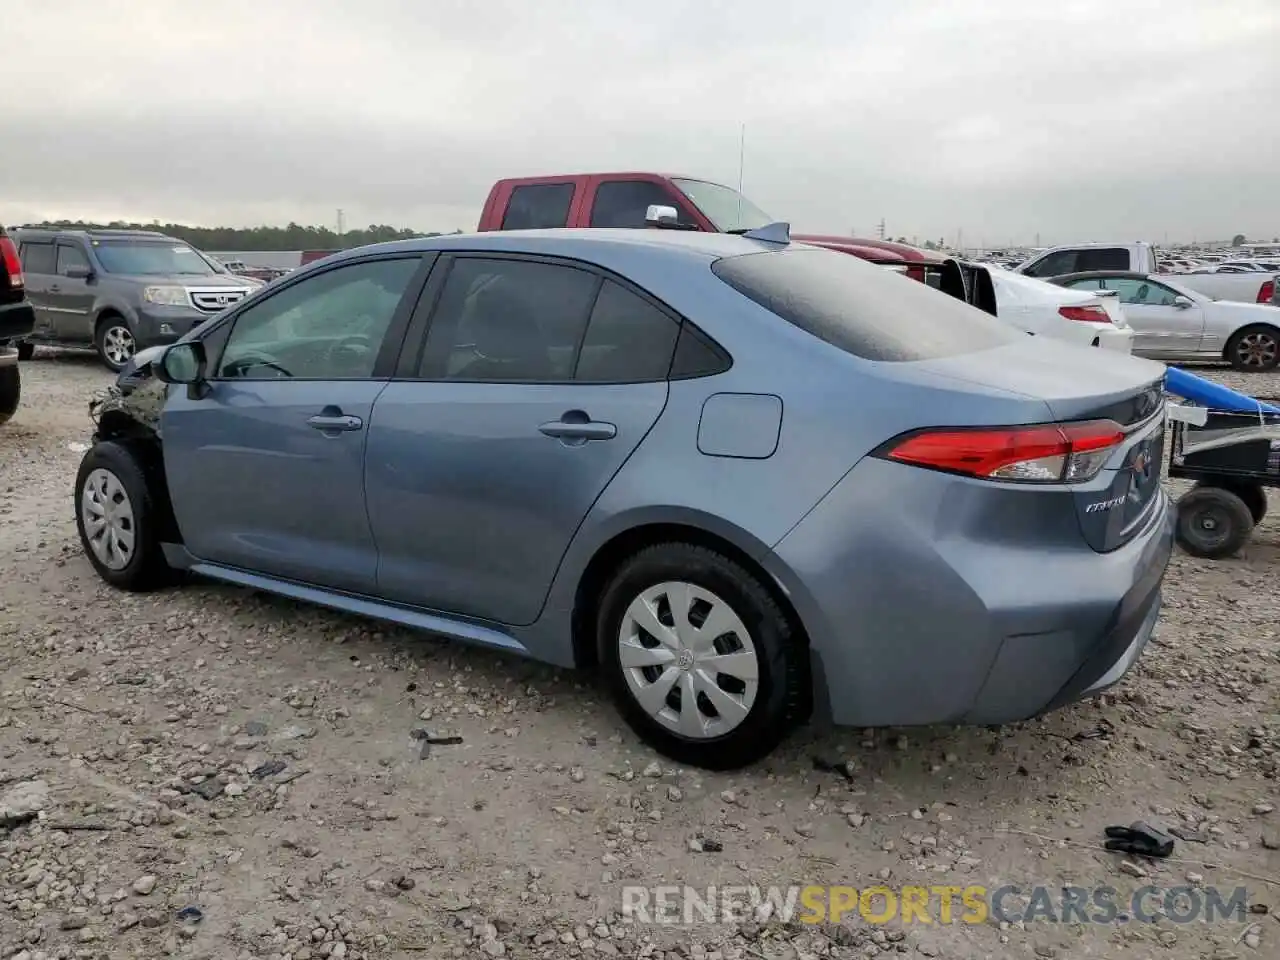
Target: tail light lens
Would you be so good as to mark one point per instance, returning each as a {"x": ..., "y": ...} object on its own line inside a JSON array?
[
  {"x": 1267, "y": 291},
  {"x": 12, "y": 265},
  {"x": 1046, "y": 453},
  {"x": 1085, "y": 314}
]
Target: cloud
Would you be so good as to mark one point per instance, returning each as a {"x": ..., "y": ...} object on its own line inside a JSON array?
[{"x": 1073, "y": 119}]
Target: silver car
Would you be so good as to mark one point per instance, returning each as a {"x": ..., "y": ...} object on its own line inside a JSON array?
[
  {"x": 747, "y": 479},
  {"x": 1173, "y": 322}
]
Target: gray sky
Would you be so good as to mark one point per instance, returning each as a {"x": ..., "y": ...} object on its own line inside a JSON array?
[{"x": 1074, "y": 119}]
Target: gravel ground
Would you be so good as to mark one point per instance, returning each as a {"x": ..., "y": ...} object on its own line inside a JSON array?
[{"x": 215, "y": 748}]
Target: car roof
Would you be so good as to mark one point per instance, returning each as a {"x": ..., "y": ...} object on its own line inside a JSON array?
[
  {"x": 584, "y": 243},
  {"x": 105, "y": 233},
  {"x": 1101, "y": 274}
]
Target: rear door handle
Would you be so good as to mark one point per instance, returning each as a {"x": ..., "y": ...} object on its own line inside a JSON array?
[
  {"x": 576, "y": 425},
  {"x": 335, "y": 423}
]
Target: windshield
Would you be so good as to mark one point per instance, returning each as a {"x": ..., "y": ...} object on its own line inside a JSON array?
[
  {"x": 726, "y": 208},
  {"x": 151, "y": 258}
]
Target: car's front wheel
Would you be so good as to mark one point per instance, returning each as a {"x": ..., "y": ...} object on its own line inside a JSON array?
[
  {"x": 701, "y": 660},
  {"x": 117, "y": 519},
  {"x": 115, "y": 343}
]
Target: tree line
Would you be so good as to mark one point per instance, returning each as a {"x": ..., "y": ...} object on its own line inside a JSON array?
[{"x": 292, "y": 237}]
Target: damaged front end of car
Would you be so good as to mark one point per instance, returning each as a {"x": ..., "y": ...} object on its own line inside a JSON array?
[{"x": 130, "y": 408}]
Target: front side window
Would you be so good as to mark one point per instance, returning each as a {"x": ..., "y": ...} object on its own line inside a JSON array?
[
  {"x": 538, "y": 206},
  {"x": 623, "y": 203},
  {"x": 507, "y": 321},
  {"x": 726, "y": 208},
  {"x": 70, "y": 256},
  {"x": 1054, "y": 265},
  {"x": 1143, "y": 293},
  {"x": 327, "y": 327},
  {"x": 151, "y": 258},
  {"x": 37, "y": 257}
]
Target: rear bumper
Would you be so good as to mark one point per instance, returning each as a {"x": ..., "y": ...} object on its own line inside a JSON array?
[
  {"x": 1116, "y": 339},
  {"x": 976, "y": 608}
]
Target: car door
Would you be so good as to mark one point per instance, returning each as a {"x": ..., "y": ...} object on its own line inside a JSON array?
[
  {"x": 266, "y": 465},
  {"x": 1161, "y": 327},
  {"x": 534, "y": 383},
  {"x": 70, "y": 298},
  {"x": 39, "y": 272}
]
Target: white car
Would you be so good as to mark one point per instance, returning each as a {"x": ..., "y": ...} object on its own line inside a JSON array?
[
  {"x": 1047, "y": 310},
  {"x": 1173, "y": 322}
]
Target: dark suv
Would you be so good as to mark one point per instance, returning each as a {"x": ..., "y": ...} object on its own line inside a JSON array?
[
  {"x": 118, "y": 290},
  {"x": 16, "y": 321}
]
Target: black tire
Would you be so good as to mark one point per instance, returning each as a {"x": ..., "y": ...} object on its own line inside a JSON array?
[
  {"x": 1254, "y": 348},
  {"x": 1254, "y": 496},
  {"x": 146, "y": 568},
  {"x": 102, "y": 337},
  {"x": 780, "y": 659},
  {"x": 1213, "y": 523},
  {"x": 10, "y": 391},
  {"x": 26, "y": 350}
]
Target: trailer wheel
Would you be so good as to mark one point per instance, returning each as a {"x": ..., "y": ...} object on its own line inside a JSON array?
[
  {"x": 1254, "y": 496},
  {"x": 1213, "y": 523}
]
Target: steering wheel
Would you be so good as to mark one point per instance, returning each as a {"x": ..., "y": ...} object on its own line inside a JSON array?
[{"x": 248, "y": 360}]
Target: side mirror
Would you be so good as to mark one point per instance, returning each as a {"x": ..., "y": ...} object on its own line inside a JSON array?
[
  {"x": 1182, "y": 303},
  {"x": 661, "y": 215},
  {"x": 77, "y": 272},
  {"x": 181, "y": 363}
]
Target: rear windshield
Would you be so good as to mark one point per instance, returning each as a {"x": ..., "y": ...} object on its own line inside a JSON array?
[{"x": 861, "y": 308}]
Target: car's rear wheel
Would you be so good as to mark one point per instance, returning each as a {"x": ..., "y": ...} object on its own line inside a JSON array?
[
  {"x": 117, "y": 519},
  {"x": 10, "y": 390},
  {"x": 1213, "y": 523},
  {"x": 701, "y": 660},
  {"x": 26, "y": 350},
  {"x": 115, "y": 342},
  {"x": 1254, "y": 348}
]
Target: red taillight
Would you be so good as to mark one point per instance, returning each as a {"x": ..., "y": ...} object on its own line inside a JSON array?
[
  {"x": 1267, "y": 291},
  {"x": 12, "y": 265},
  {"x": 1048, "y": 453},
  {"x": 1085, "y": 314}
]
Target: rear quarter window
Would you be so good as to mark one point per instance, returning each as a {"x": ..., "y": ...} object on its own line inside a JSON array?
[{"x": 860, "y": 308}]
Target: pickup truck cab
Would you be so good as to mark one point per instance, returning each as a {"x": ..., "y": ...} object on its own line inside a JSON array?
[
  {"x": 1141, "y": 258},
  {"x": 623, "y": 199}
]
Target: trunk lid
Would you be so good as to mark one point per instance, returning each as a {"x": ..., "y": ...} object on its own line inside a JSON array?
[{"x": 1104, "y": 385}]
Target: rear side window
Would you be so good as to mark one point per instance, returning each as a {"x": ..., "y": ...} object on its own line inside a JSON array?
[
  {"x": 37, "y": 257},
  {"x": 1105, "y": 258},
  {"x": 538, "y": 206},
  {"x": 628, "y": 340},
  {"x": 860, "y": 308}
]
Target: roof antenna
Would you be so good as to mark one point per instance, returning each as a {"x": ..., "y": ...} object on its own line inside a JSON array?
[{"x": 742, "y": 156}]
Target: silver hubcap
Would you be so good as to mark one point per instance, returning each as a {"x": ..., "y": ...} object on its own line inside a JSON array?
[
  {"x": 1257, "y": 350},
  {"x": 688, "y": 660},
  {"x": 108, "y": 519},
  {"x": 117, "y": 344}
]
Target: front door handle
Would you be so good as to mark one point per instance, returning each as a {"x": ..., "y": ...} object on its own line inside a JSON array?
[
  {"x": 576, "y": 425},
  {"x": 335, "y": 423}
]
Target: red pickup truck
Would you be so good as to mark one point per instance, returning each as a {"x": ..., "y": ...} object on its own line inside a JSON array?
[{"x": 622, "y": 200}]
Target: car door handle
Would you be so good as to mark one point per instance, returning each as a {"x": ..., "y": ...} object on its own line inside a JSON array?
[
  {"x": 335, "y": 422},
  {"x": 54, "y": 288},
  {"x": 576, "y": 425}
]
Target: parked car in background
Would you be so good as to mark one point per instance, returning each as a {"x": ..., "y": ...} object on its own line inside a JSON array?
[
  {"x": 1141, "y": 258},
  {"x": 1173, "y": 322},
  {"x": 118, "y": 290},
  {"x": 1045, "y": 309},
  {"x": 643, "y": 450},
  {"x": 16, "y": 321}
]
